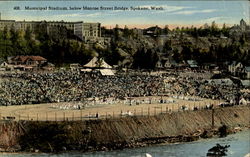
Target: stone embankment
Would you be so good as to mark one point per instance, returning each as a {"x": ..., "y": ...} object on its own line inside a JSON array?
[{"x": 119, "y": 133}]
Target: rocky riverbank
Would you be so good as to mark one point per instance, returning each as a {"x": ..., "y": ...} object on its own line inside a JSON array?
[{"x": 127, "y": 132}]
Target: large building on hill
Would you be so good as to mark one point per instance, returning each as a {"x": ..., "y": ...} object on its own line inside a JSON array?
[
  {"x": 243, "y": 25},
  {"x": 85, "y": 31},
  {"x": 237, "y": 30}
]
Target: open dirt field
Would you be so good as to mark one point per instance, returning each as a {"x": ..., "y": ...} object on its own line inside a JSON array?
[{"x": 54, "y": 111}]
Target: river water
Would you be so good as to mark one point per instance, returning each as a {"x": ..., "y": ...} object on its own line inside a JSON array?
[{"x": 239, "y": 147}]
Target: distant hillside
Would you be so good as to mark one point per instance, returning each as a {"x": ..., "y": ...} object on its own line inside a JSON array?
[{"x": 133, "y": 48}]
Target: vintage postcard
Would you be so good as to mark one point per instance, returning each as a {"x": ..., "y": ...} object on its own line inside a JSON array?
[{"x": 124, "y": 78}]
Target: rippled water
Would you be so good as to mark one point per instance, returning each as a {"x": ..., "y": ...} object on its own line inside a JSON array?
[{"x": 239, "y": 147}]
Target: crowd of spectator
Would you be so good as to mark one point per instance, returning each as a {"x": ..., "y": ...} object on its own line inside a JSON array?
[
  {"x": 73, "y": 86},
  {"x": 68, "y": 86}
]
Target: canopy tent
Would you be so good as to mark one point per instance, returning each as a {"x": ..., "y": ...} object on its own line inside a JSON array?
[
  {"x": 107, "y": 72},
  {"x": 86, "y": 70},
  {"x": 97, "y": 63}
]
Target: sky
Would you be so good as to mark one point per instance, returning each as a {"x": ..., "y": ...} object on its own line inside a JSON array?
[{"x": 172, "y": 13}]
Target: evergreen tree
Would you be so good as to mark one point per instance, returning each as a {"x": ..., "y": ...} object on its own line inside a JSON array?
[
  {"x": 166, "y": 30},
  {"x": 126, "y": 32},
  {"x": 27, "y": 35},
  {"x": 116, "y": 32},
  {"x": 5, "y": 33}
]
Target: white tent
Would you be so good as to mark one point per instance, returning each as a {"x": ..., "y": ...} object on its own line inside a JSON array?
[
  {"x": 95, "y": 63},
  {"x": 86, "y": 70},
  {"x": 3, "y": 64},
  {"x": 106, "y": 72}
]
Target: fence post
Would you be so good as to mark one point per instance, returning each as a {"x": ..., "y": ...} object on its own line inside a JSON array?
[
  {"x": 121, "y": 113},
  {"x": 81, "y": 115},
  {"x": 106, "y": 115},
  {"x": 134, "y": 112},
  {"x": 37, "y": 117},
  {"x": 73, "y": 116},
  {"x": 161, "y": 109},
  {"x": 28, "y": 117},
  {"x": 97, "y": 115},
  {"x": 46, "y": 116},
  {"x": 113, "y": 114},
  {"x": 55, "y": 117},
  {"x": 166, "y": 109},
  {"x": 0, "y": 116},
  {"x": 212, "y": 118},
  {"x": 148, "y": 111}
]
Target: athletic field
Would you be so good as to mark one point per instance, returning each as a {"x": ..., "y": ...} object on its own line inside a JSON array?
[{"x": 132, "y": 107}]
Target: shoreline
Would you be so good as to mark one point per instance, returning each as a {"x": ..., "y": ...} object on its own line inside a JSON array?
[
  {"x": 121, "y": 133},
  {"x": 178, "y": 141}
]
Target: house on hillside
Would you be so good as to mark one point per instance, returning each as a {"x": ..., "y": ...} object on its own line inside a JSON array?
[
  {"x": 247, "y": 72},
  {"x": 235, "y": 68},
  {"x": 159, "y": 64},
  {"x": 238, "y": 30},
  {"x": 170, "y": 63},
  {"x": 166, "y": 63},
  {"x": 192, "y": 64},
  {"x": 235, "y": 30},
  {"x": 152, "y": 31},
  {"x": 26, "y": 62},
  {"x": 209, "y": 66},
  {"x": 231, "y": 67},
  {"x": 33, "y": 61}
]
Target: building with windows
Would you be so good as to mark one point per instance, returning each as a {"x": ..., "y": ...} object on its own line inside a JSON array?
[
  {"x": 237, "y": 30},
  {"x": 85, "y": 31},
  {"x": 28, "y": 60},
  {"x": 243, "y": 25}
]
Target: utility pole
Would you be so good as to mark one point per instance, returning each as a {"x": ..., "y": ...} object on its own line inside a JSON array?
[{"x": 212, "y": 118}]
